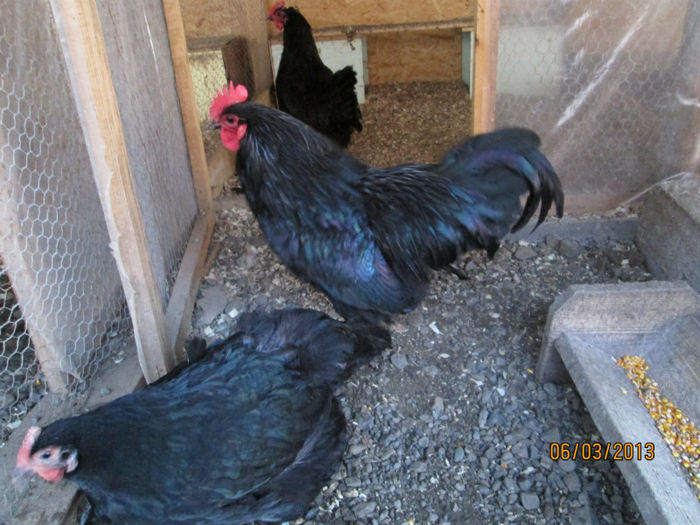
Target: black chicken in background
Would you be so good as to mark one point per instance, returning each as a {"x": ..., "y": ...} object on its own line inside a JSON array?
[
  {"x": 307, "y": 88},
  {"x": 250, "y": 431},
  {"x": 368, "y": 237}
]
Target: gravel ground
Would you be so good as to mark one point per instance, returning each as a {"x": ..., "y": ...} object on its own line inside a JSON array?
[{"x": 449, "y": 426}]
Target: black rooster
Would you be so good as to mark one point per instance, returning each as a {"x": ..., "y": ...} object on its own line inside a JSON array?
[
  {"x": 368, "y": 237},
  {"x": 307, "y": 88},
  {"x": 249, "y": 432}
]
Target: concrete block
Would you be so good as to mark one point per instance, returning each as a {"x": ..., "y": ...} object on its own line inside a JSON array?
[
  {"x": 657, "y": 484},
  {"x": 669, "y": 230},
  {"x": 624, "y": 309},
  {"x": 589, "y": 328}
]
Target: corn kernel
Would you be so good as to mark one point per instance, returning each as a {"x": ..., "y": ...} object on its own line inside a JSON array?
[{"x": 676, "y": 429}]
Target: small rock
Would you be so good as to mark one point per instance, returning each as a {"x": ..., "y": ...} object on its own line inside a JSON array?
[
  {"x": 438, "y": 407},
  {"x": 567, "y": 466},
  {"x": 529, "y": 500},
  {"x": 459, "y": 454},
  {"x": 419, "y": 466},
  {"x": 483, "y": 417},
  {"x": 583, "y": 516},
  {"x": 552, "y": 240},
  {"x": 365, "y": 510},
  {"x": 354, "y": 450},
  {"x": 520, "y": 450},
  {"x": 353, "y": 482},
  {"x": 399, "y": 360},
  {"x": 569, "y": 249},
  {"x": 552, "y": 435},
  {"x": 550, "y": 388},
  {"x": 524, "y": 253},
  {"x": 212, "y": 302},
  {"x": 525, "y": 484},
  {"x": 572, "y": 482},
  {"x": 432, "y": 370},
  {"x": 104, "y": 391}
]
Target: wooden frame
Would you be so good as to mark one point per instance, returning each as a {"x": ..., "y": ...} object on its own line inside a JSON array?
[
  {"x": 179, "y": 310},
  {"x": 485, "y": 65},
  {"x": 159, "y": 332}
]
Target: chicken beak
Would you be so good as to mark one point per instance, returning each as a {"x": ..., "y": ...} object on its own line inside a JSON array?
[{"x": 214, "y": 125}]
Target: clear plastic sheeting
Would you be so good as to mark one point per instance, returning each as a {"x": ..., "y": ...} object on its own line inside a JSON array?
[{"x": 613, "y": 89}]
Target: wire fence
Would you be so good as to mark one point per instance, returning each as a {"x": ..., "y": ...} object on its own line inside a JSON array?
[
  {"x": 63, "y": 312},
  {"x": 610, "y": 87}
]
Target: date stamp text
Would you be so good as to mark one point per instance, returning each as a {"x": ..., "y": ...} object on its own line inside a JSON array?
[{"x": 615, "y": 451}]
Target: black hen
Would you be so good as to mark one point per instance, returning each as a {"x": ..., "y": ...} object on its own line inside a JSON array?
[
  {"x": 368, "y": 237},
  {"x": 307, "y": 88},
  {"x": 248, "y": 432}
]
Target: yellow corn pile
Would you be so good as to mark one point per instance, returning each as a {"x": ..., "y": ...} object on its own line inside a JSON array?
[{"x": 678, "y": 431}]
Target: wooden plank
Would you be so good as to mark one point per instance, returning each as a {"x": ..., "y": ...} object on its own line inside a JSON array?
[
  {"x": 217, "y": 21},
  {"x": 182, "y": 296},
  {"x": 237, "y": 63},
  {"x": 188, "y": 104},
  {"x": 485, "y": 65},
  {"x": 331, "y": 13},
  {"x": 351, "y": 32},
  {"x": 85, "y": 53},
  {"x": 414, "y": 56},
  {"x": 184, "y": 291}
]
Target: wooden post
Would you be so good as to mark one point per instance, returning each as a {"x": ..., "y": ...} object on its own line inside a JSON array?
[
  {"x": 188, "y": 105},
  {"x": 184, "y": 291},
  {"x": 485, "y": 64},
  {"x": 88, "y": 68}
]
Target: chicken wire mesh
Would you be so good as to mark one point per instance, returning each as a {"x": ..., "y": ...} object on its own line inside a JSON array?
[
  {"x": 138, "y": 49},
  {"x": 610, "y": 86},
  {"x": 61, "y": 300}
]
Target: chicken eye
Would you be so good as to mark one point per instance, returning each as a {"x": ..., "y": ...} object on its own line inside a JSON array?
[
  {"x": 65, "y": 455},
  {"x": 229, "y": 119},
  {"x": 46, "y": 454}
]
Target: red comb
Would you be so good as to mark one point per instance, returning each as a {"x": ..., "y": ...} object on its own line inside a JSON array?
[
  {"x": 278, "y": 5},
  {"x": 228, "y": 95},
  {"x": 25, "y": 450}
]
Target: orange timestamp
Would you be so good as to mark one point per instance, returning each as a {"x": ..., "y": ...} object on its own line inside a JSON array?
[{"x": 615, "y": 451}]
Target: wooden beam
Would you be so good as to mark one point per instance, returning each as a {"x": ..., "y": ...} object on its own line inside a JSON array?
[
  {"x": 84, "y": 49},
  {"x": 184, "y": 291},
  {"x": 188, "y": 104},
  {"x": 329, "y": 13},
  {"x": 351, "y": 32},
  {"x": 485, "y": 64}
]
